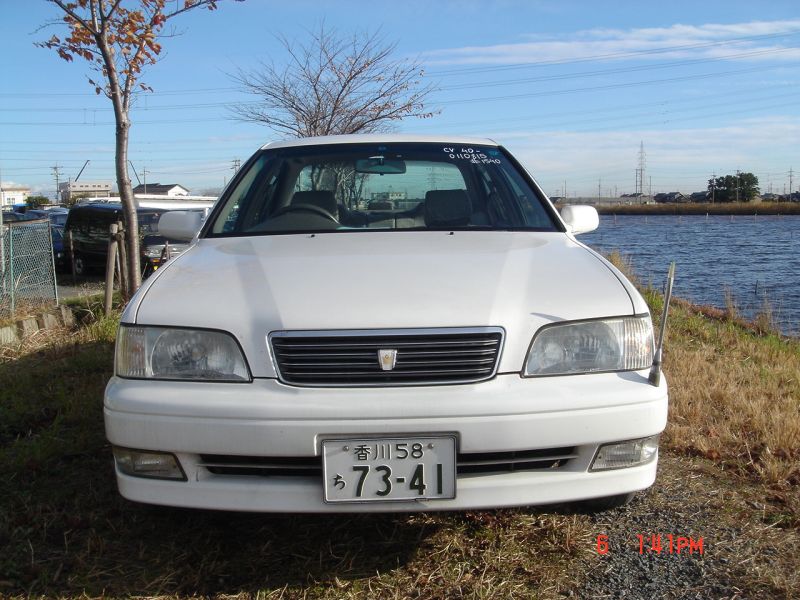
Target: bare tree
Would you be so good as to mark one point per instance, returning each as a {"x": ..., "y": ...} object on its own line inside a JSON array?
[
  {"x": 118, "y": 42},
  {"x": 334, "y": 85}
]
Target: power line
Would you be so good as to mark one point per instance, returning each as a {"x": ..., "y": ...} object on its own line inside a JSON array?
[
  {"x": 442, "y": 103},
  {"x": 457, "y": 71},
  {"x": 484, "y": 84},
  {"x": 610, "y": 86},
  {"x": 602, "y": 72}
]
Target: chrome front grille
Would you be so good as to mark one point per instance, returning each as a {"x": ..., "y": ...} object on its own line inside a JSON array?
[
  {"x": 421, "y": 356},
  {"x": 485, "y": 463}
]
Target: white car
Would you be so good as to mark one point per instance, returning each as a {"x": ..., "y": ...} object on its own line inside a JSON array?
[{"x": 384, "y": 323}]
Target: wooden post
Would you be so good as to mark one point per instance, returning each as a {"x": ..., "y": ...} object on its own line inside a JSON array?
[
  {"x": 111, "y": 261},
  {"x": 118, "y": 274},
  {"x": 72, "y": 258},
  {"x": 124, "y": 284}
]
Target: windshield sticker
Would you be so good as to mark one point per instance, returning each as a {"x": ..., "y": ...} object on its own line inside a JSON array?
[{"x": 470, "y": 154}]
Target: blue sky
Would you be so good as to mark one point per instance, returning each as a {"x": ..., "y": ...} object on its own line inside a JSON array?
[{"x": 571, "y": 88}]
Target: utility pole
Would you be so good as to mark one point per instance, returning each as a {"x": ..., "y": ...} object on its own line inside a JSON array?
[
  {"x": 640, "y": 171},
  {"x": 565, "y": 189},
  {"x": 791, "y": 180},
  {"x": 737, "y": 185},
  {"x": 713, "y": 186},
  {"x": 432, "y": 183},
  {"x": 236, "y": 164},
  {"x": 144, "y": 178},
  {"x": 57, "y": 176},
  {"x": 599, "y": 195}
]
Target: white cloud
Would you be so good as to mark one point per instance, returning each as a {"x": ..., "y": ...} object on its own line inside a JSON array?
[
  {"x": 680, "y": 159},
  {"x": 676, "y": 41}
]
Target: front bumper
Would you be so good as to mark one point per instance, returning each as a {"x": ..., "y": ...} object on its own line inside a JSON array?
[{"x": 267, "y": 418}]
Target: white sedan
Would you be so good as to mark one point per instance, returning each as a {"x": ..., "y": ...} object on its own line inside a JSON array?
[{"x": 384, "y": 323}]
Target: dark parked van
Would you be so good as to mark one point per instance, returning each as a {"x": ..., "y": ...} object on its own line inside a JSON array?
[{"x": 89, "y": 225}]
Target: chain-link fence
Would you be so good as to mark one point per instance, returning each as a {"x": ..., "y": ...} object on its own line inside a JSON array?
[{"x": 27, "y": 272}]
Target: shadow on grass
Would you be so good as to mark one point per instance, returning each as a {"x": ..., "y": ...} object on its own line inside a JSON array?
[{"x": 64, "y": 530}]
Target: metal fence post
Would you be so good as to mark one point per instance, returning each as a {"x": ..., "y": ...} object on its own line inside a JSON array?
[
  {"x": 11, "y": 268},
  {"x": 53, "y": 263}
]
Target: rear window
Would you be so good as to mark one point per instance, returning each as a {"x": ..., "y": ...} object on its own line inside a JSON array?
[{"x": 354, "y": 187}]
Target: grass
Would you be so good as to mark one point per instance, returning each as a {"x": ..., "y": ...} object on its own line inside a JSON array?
[
  {"x": 66, "y": 532},
  {"x": 735, "y": 398},
  {"x": 734, "y": 395}
]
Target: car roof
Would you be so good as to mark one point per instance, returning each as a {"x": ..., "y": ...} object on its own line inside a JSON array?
[
  {"x": 380, "y": 138},
  {"x": 111, "y": 206}
]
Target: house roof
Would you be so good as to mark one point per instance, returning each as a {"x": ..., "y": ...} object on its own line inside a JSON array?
[{"x": 156, "y": 188}]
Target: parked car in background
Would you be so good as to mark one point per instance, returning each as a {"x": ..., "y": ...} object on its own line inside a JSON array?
[
  {"x": 57, "y": 215},
  {"x": 457, "y": 349},
  {"x": 59, "y": 252},
  {"x": 13, "y": 217},
  {"x": 89, "y": 225},
  {"x": 157, "y": 250}
]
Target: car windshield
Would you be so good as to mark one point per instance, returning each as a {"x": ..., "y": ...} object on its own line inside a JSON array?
[
  {"x": 58, "y": 218},
  {"x": 396, "y": 186}
]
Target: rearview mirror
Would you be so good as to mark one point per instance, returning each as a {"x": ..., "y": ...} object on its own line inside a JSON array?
[
  {"x": 180, "y": 225},
  {"x": 580, "y": 218},
  {"x": 378, "y": 165}
]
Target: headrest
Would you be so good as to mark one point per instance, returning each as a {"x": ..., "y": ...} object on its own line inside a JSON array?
[
  {"x": 447, "y": 208},
  {"x": 380, "y": 205},
  {"x": 324, "y": 199}
]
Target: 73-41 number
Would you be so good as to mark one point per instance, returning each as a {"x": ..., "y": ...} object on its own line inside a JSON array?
[{"x": 416, "y": 481}]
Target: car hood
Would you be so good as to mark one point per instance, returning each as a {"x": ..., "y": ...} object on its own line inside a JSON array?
[{"x": 251, "y": 286}]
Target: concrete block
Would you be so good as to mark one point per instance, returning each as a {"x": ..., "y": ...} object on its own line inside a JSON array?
[
  {"x": 27, "y": 327},
  {"x": 67, "y": 316},
  {"x": 49, "y": 321},
  {"x": 8, "y": 336}
]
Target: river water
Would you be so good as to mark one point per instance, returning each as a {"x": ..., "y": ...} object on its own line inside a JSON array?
[{"x": 752, "y": 260}]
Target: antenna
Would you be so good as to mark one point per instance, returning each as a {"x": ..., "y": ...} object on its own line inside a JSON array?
[{"x": 655, "y": 370}]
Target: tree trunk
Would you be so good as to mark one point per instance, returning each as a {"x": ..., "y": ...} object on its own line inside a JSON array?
[{"x": 128, "y": 208}]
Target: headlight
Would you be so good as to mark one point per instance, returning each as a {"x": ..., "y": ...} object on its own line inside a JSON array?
[
  {"x": 151, "y": 252},
  {"x": 168, "y": 353},
  {"x": 620, "y": 344}
]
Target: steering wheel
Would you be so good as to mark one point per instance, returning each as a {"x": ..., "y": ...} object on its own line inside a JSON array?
[{"x": 307, "y": 208}]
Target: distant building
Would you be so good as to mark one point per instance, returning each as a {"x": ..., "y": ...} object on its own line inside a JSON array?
[
  {"x": 388, "y": 196},
  {"x": 670, "y": 198},
  {"x": 699, "y": 197},
  {"x": 161, "y": 189},
  {"x": 15, "y": 194},
  {"x": 69, "y": 190}
]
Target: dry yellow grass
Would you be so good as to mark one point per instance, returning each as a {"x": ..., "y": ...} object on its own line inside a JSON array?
[
  {"x": 734, "y": 394},
  {"x": 66, "y": 532}
]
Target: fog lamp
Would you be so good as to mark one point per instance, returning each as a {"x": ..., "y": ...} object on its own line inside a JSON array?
[
  {"x": 620, "y": 455},
  {"x": 146, "y": 463}
]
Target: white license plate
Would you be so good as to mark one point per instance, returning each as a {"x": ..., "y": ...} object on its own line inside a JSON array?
[{"x": 389, "y": 469}]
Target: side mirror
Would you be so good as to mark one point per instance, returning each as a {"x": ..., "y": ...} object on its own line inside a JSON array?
[
  {"x": 580, "y": 218},
  {"x": 180, "y": 225}
]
